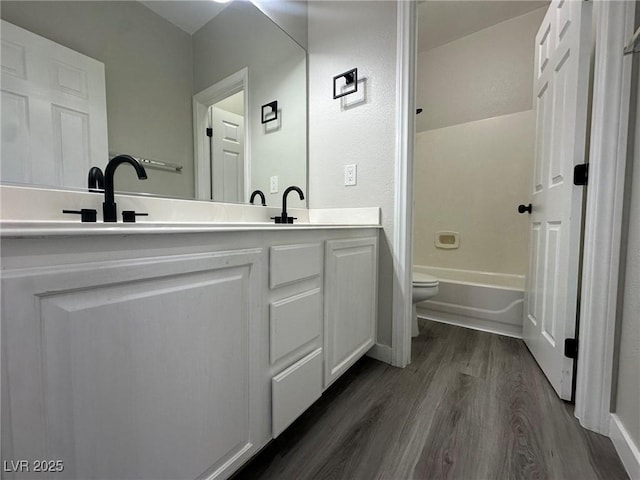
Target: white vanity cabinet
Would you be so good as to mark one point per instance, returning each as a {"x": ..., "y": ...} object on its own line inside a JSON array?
[{"x": 179, "y": 355}]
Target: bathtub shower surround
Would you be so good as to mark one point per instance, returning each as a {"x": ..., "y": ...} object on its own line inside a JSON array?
[{"x": 471, "y": 179}]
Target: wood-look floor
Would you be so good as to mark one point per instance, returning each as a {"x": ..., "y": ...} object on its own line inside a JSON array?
[{"x": 471, "y": 405}]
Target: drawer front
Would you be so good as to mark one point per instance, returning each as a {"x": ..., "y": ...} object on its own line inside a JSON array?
[
  {"x": 293, "y": 322},
  {"x": 294, "y": 390},
  {"x": 291, "y": 263}
]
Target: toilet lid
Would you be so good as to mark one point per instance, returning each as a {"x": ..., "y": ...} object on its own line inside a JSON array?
[{"x": 424, "y": 280}]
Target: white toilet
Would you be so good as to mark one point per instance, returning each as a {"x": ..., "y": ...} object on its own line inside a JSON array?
[{"x": 424, "y": 287}]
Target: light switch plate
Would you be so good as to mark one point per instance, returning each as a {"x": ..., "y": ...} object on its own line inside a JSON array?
[
  {"x": 350, "y": 174},
  {"x": 273, "y": 184}
]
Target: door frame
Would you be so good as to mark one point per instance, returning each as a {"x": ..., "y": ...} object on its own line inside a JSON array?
[
  {"x": 201, "y": 102},
  {"x": 402, "y": 243},
  {"x": 603, "y": 213}
]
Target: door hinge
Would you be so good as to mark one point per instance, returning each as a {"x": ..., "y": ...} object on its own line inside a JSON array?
[
  {"x": 571, "y": 347},
  {"x": 581, "y": 174},
  {"x": 209, "y": 132}
]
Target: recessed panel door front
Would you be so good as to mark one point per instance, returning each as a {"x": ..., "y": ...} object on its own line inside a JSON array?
[
  {"x": 227, "y": 156},
  {"x": 134, "y": 369},
  {"x": 351, "y": 280},
  {"x": 562, "y": 59}
]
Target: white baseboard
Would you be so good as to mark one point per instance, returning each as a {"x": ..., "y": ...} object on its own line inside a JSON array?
[
  {"x": 627, "y": 450},
  {"x": 380, "y": 352}
]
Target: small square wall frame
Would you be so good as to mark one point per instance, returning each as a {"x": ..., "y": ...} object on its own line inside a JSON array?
[
  {"x": 351, "y": 78},
  {"x": 270, "y": 112}
]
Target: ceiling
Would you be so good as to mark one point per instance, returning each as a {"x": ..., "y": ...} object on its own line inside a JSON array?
[
  {"x": 190, "y": 16},
  {"x": 441, "y": 22}
]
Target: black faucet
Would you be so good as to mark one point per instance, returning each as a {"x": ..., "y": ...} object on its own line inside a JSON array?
[
  {"x": 258, "y": 192},
  {"x": 284, "y": 218},
  {"x": 109, "y": 211},
  {"x": 96, "y": 180}
]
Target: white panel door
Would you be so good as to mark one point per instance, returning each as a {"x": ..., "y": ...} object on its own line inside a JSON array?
[
  {"x": 227, "y": 156},
  {"x": 142, "y": 368},
  {"x": 54, "y": 113},
  {"x": 351, "y": 297},
  {"x": 562, "y": 56}
]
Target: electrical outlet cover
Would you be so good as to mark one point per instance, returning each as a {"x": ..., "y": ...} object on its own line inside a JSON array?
[
  {"x": 350, "y": 175},
  {"x": 273, "y": 184}
]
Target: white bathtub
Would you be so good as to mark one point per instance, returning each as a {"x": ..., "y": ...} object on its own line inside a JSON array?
[{"x": 491, "y": 302}]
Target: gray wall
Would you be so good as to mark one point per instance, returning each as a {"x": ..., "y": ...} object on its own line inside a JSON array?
[
  {"x": 627, "y": 395},
  {"x": 360, "y": 129},
  {"x": 148, "y": 68},
  {"x": 290, "y": 15}
]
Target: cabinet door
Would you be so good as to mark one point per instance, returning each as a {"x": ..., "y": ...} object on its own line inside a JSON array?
[
  {"x": 136, "y": 368},
  {"x": 351, "y": 276}
]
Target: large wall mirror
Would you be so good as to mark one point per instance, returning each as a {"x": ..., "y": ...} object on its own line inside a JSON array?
[{"x": 189, "y": 86}]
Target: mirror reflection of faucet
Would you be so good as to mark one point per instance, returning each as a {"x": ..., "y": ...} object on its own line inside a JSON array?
[
  {"x": 260, "y": 194},
  {"x": 96, "y": 180},
  {"x": 284, "y": 217}
]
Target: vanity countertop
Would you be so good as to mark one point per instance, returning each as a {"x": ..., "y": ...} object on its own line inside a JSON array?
[
  {"x": 34, "y": 212},
  {"x": 20, "y": 229}
]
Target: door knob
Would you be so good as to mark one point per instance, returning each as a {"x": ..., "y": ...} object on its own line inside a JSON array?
[{"x": 524, "y": 208}]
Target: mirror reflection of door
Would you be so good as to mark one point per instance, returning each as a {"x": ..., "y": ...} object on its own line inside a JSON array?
[
  {"x": 54, "y": 114},
  {"x": 226, "y": 121}
]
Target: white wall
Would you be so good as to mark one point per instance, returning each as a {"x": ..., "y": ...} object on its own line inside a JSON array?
[
  {"x": 277, "y": 69},
  {"x": 482, "y": 75},
  {"x": 233, "y": 104},
  {"x": 475, "y": 148},
  {"x": 148, "y": 69},
  {"x": 469, "y": 179},
  {"x": 344, "y": 35}
]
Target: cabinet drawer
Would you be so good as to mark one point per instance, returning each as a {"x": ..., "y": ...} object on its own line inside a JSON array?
[
  {"x": 293, "y": 322},
  {"x": 291, "y": 263},
  {"x": 294, "y": 390}
]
